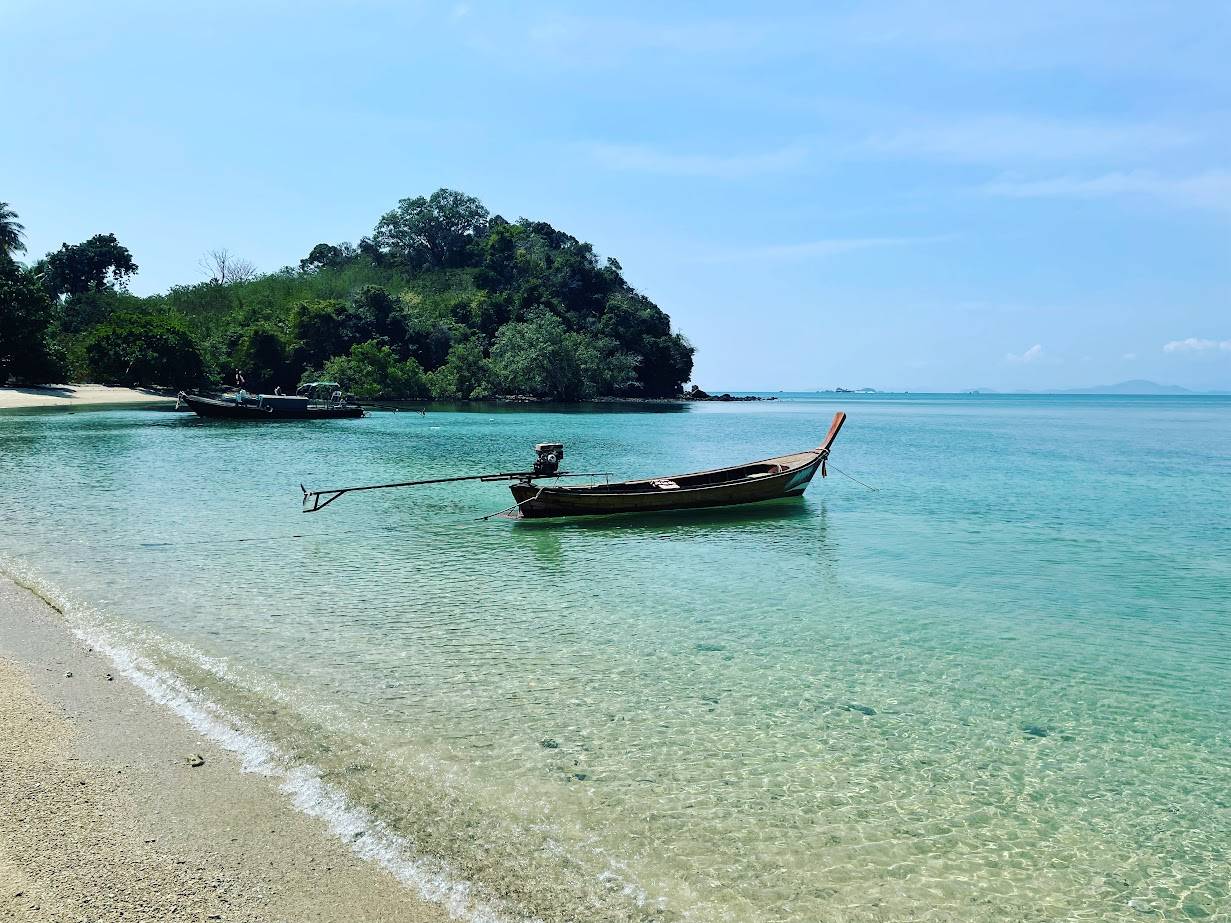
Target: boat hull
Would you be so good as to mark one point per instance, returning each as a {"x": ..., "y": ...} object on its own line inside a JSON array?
[
  {"x": 537, "y": 502},
  {"x": 258, "y": 412}
]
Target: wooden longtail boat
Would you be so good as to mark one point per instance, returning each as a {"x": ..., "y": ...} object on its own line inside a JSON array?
[
  {"x": 769, "y": 479},
  {"x": 320, "y": 400}
]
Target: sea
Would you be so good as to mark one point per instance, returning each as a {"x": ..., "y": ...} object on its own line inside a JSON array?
[{"x": 980, "y": 672}]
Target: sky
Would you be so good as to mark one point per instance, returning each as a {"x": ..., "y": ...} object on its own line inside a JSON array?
[{"x": 898, "y": 195}]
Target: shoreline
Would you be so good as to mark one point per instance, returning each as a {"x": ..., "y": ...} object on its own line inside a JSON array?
[
  {"x": 74, "y": 397},
  {"x": 102, "y": 815}
]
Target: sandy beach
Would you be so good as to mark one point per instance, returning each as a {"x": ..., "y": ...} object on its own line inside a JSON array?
[
  {"x": 102, "y": 817},
  {"x": 72, "y": 397}
]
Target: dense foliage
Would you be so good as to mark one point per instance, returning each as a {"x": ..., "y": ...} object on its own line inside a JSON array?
[{"x": 443, "y": 300}]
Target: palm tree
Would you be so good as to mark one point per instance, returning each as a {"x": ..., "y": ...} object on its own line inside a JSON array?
[{"x": 10, "y": 232}]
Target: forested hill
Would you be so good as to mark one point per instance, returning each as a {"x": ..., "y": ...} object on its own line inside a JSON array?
[{"x": 443, "y": 300}]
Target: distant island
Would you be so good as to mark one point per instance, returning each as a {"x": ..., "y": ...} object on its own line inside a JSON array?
[
  {"x": 443, "y": 300},
  {"x": 1135, "y": 386}
]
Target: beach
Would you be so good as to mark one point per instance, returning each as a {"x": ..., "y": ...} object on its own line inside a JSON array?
[
  {"x": 75, "y": 397},
  {"x": 103, "y": 817}
]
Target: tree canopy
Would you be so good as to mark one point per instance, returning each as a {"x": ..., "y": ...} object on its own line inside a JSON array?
[
  {"x": 443, "y": 300},
  {"x": 101, "y": 262},
  {"x": 11, "y": 231},
  {"x": 434, "y": 232}
]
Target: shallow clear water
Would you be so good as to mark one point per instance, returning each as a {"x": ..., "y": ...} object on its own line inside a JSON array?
[{"x": 997, "y": 688}]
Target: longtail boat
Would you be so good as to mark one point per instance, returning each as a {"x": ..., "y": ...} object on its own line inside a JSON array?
[
  {"x": 318, "y": 400},
  {"x": 753, "y": 482}
]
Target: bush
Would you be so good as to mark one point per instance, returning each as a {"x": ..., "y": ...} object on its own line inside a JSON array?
[
  {"x": 372, "y": 371},
  {"x": 261, "y": 353},
  {"x": 143, "y": 349},
  {"x": 465, "y": 374},
  {"x": 26, "y": 349}
]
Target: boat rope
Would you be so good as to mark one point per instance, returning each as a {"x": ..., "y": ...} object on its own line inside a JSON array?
[
  {"x": 853, "y": 478},
  {"x": 510, "y": 509}
]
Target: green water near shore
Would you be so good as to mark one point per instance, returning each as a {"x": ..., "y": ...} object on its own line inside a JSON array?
[{"x": 997, "y": 688}]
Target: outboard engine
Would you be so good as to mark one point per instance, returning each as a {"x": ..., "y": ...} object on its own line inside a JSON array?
[{"x": 547, "y": 458}]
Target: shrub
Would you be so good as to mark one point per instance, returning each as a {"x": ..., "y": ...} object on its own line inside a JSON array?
[{"x": 143, "y": 349}]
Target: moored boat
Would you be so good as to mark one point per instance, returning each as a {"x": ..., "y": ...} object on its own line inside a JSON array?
[
  {"x": 754, "y": 482},
  {"x": 318, "y": 400},
  {"x": 768, "y": 479}
]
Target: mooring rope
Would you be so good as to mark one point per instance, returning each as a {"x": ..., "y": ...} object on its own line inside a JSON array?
[
  {"x": 510, "y": 509},
  {"x": 855, "y": 479}
]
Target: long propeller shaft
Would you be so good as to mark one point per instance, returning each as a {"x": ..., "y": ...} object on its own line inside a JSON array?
[{"x": 316, "y": 500}]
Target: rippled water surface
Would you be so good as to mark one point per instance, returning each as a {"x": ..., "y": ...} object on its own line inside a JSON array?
[{"x": 997, "y": 688}]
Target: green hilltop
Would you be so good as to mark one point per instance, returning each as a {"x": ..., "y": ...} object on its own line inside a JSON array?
[{"x": 442, "y": 301}]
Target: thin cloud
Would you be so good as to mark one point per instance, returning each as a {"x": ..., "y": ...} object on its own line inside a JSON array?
[
  {"x": 1197, "y": 345},
  {"x": 831, "y": 246},
  {"x": 605, "y": 39},
  {"x": 1209, "y": 190},
  {"x": 645, "y": 159},
  {"x": 1033, "y": 354},
  {"x": 1004, "y": 139}
]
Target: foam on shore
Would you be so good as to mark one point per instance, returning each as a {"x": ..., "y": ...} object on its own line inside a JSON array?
[{"x": 363, "y": 834}]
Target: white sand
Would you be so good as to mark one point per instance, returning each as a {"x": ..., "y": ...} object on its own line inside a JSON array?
[
  {"x": 73, "y": 396},
  {"x": 102, "y": 818}
]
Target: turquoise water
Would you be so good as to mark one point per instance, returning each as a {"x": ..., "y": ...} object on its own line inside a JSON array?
[{"x": 997, "y": 688}]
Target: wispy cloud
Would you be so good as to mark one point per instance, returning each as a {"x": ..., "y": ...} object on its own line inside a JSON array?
[
  {"x": 1008, "y": 139},
  {"x": 604, "y": 39},
  {"x": 645, "y": 159},
  {"x": 1033, "y": 354},
  {"x": 1097, "y": 36},
  {"x": 1209, "y": 190},
  {"x": 1197, "y": 345},
  {"x": 831, "y": 246}
]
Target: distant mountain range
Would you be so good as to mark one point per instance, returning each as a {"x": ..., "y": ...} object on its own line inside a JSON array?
[{"x": 1133, "y": 386}]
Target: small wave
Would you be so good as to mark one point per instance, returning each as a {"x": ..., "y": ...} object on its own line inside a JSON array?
[{"x": 367, "y": 837}]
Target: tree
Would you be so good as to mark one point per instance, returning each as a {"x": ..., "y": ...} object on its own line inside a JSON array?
[
  {"x": 26, "y": 351},
  {"x": 465, "y": 374},
  {"x": 262, "y": 354},
  {"x": 143, "y": 349},
  {"x": 378, "y": 313},
  {"x": 225, "y": 268},
  {"x": 11, "y": 233},
  {"x": 643, "y": 329},
  {"x": 372, "y": 371},
  {"x": 537, "y": 357},
  {"x": 320, "y": 330},
  {"x": 75, "y": 269},
  {"x": 434, "y": 232},
  {"x": 328, "y": 256},
  {"x": 605, "y": 368}
]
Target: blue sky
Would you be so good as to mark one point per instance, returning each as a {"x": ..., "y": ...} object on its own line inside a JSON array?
[{"x": 1007, "y": 196}]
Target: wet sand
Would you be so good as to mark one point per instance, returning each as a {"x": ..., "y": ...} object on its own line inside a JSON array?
[
  {"x": 102, "y": 817},
  {"x": 77, "y": 396}
]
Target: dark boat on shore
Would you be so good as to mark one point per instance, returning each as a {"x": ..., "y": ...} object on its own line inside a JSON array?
[
  {"x": 318, "y": 400},
  {"x": 769, "y": 479}
]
